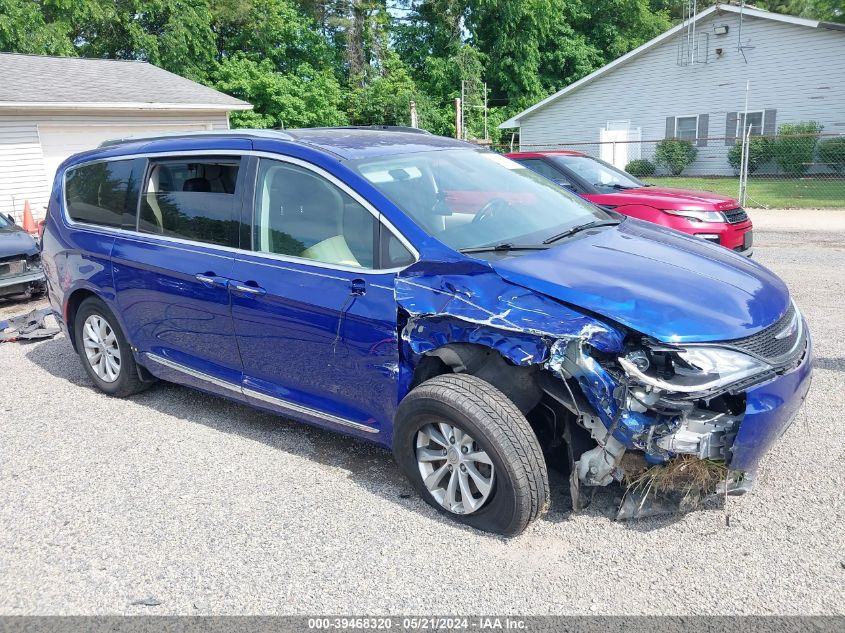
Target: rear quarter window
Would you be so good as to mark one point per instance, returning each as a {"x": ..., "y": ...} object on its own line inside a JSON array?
[{"x": 96, "y": 193}]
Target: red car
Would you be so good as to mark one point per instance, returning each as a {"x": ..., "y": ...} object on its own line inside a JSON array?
[{"x": 710, "y": 216}]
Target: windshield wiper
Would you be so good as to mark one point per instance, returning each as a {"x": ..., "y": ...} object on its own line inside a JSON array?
[
  {"x": 578, "y": 229},
  {"x": 503, "y": 247},
  {"x": 615, "y": 185}
]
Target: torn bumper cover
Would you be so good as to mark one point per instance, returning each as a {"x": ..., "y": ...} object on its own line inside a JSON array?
[
  {"x": 734, "y": 422},
  {"x": 722, "y": 402},
  {"x": 28, "y": 327}
]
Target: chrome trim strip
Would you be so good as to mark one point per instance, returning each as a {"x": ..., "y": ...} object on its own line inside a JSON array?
[
  {"x": 193, "y": 372},
  {"x": 252, "y": 393},
  {"x": 307, "y": 410}
]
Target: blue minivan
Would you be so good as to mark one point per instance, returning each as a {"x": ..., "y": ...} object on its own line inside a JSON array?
[{"x": 433, "y": 297}]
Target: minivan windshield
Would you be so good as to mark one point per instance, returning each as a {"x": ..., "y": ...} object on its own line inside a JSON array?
[
  {"x": 601, "y": 175},
  {"x": 470, "y": 199},
  {"x": 4, "y": 223}
]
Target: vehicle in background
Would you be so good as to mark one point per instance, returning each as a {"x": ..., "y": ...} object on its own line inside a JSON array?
[
  {"x": 20, "y": 261},
  {"x": 710, "y": 216},
  {"x": 429, "y": 296}
]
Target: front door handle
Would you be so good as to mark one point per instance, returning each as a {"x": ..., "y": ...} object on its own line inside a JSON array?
[
  {"x": 212, "y": 281},
  {"x": 358, "y": 287},
  {"x": 255, "y": 291}
]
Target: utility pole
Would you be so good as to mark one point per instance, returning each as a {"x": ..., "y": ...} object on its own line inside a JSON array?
[
  {"x": 486, "y": 135},
  {"x": 743, "y": 172},
  {"x": 413, "y": 105},
  {"x": 463, "y": 134},
  {"x": 459, "y": 118}
]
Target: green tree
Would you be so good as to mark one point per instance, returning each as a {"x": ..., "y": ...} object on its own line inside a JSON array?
[
  {"x": 269, "y": 29},
  {"x": 173, "y": 34},
  {"x": 428, "y": 29},
  {"x": 384, "y": 97},
  {"x": 28, "y": 26},
  {"x": 535, "y": 47},
  {"x": 305, "y": 97}
]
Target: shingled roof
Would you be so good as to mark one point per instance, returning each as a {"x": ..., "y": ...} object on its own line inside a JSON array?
[{"x": 36, "y": 81}]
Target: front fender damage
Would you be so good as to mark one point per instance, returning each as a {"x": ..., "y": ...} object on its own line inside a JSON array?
[{"x": 462, "y": 302}]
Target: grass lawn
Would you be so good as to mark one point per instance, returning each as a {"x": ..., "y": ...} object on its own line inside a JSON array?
[{"x": 809, "y": 193}]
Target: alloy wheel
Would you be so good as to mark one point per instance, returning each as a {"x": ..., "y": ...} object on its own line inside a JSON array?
[
  {"x": 101, "y": 348},
  {"x": 454, "y": 469}
]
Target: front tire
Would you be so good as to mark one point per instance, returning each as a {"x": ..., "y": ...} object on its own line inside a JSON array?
[
  {"x": 470, "y": 453},
  {"x": 104, "y": 351}
]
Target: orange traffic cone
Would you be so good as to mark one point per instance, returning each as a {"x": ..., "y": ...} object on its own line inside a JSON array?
[{"x": 28, "y": 222}]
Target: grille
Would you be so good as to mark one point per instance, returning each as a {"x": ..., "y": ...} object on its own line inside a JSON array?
[
  {"x": 10, "y": 267},
  {"x": 765, "y": 344},
  {"x": 735, "y": 216}
]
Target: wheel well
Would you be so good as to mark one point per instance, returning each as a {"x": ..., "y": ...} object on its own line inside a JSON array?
[
  {"x": 73, "y": 303},
  {"x": 517, "y": 382},
  {"x": 540, "y": 396}
]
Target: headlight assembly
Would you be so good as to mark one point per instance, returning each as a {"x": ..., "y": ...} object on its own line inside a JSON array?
[
  {"x": 693, "y": 369},
  {"x": 699, "y": 216}
]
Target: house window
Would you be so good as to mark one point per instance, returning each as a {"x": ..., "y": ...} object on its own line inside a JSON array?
[
  {"x": 686, "y": 127},
  {"x": 755, "y": 120}
]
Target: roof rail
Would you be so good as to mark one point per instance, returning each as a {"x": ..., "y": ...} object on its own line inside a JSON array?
[
  {"x": 382, "y": 128},
  {"x": 278, "y": 134}
]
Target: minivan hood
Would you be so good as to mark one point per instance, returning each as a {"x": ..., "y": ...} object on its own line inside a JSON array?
[
  {"x": 14, "y": 241},
  {"x": 667, "y": 198},
  {"x": 662, "y": 283}
]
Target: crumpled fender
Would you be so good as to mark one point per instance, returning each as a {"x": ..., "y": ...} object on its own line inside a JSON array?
[{"x": 466, "y": 301}]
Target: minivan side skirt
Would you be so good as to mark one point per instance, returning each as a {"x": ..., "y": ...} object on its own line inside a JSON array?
[{"x": 293, "y": 407}]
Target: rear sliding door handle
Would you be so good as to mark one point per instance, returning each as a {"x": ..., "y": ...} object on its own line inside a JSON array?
[
  {"x": 255, "y": 291},
  {"x": 212, "y": 281}
]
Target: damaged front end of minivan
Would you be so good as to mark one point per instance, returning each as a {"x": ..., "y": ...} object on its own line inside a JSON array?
[{"x": 671, "y": 422}]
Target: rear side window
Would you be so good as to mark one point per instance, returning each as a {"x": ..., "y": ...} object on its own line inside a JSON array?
[
  {"x": 193, "y": 200},
  {"x": 96, "y": 193}
]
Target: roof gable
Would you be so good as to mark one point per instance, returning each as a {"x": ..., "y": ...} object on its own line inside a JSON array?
[
  {"x": 748, "y": 11},
  {"x": 55, "y": 82}
]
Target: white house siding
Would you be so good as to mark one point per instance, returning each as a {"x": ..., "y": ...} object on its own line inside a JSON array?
[
  {"x": 32, "y": 144},
  {"x": 21, "y": 168},
  {"x": 796, "y": 70}
]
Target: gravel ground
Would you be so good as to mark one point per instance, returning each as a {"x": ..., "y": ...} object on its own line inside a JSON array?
[
  {"x": 10, "y": 307},
  {"x": 208, "y": 507}
]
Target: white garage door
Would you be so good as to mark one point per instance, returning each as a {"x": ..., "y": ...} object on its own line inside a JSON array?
[{"x": 58, "y": 141}]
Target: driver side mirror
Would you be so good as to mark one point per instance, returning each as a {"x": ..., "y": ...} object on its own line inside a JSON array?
[{"x": 10, "y": 218}]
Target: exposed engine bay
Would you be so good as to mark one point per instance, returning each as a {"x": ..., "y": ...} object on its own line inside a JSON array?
[{"x": 626, "y": 408}]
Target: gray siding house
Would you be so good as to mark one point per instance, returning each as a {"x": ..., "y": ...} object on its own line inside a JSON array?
[
  {"x": 52, "y": 107},
  {"x": 690, "y": 83}
]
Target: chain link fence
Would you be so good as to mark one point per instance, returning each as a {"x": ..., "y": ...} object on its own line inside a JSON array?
[{"x": 785, "y": 171}]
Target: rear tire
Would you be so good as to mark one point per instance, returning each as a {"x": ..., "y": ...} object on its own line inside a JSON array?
[
  {"x": 495, "y": 431},
  {"x": 104, "y": 351}
]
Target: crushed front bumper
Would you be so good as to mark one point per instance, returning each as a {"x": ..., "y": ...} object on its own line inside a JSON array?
[{"x": 20, "y": 284}]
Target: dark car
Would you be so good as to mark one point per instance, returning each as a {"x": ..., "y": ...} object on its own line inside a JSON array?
[
  {"x": 20, "y": 261},
  {"x": 429, "y": 296},
  {"x": 710, "y": 216}
]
